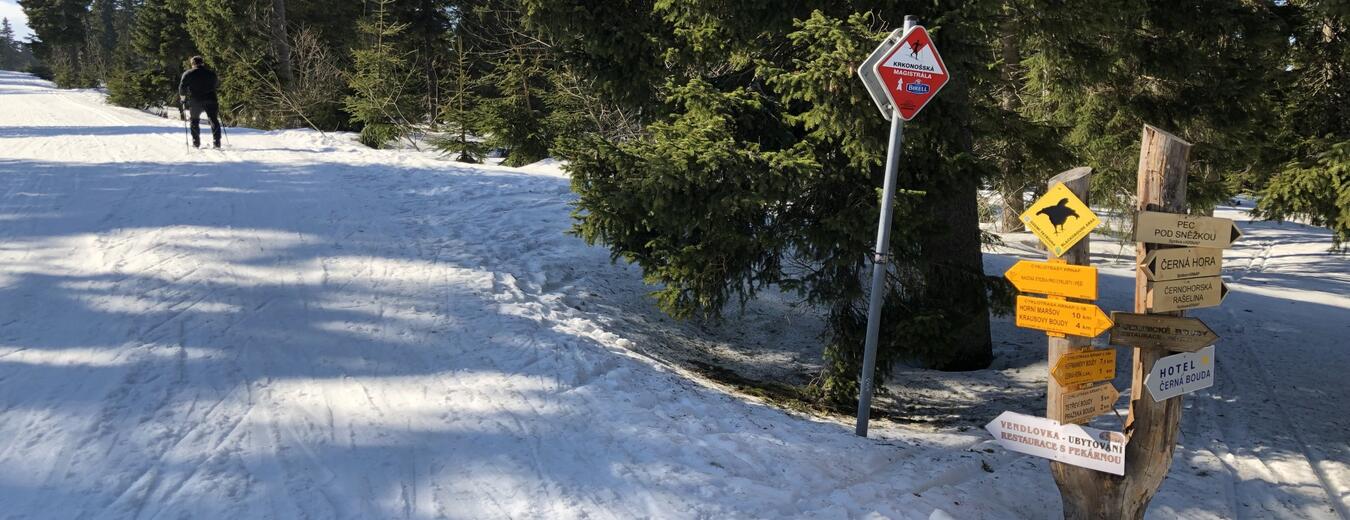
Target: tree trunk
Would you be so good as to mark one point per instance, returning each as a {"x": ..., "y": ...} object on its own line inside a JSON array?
[
  {"x": 1078, "y": 181},
  {"x": 433, "y": 72},
  {"x": 281, "y": 43},
  {"x": 1013, "y": 206},
  {"x": 953, "y": 272},
  {"x": 1010, "y": 164},
  {"x": 954, "y": 276}
]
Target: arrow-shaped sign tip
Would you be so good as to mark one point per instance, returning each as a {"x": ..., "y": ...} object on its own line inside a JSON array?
[
  {"x": 1104, "y": 322},
  {"x": 1237, "y": 233}
]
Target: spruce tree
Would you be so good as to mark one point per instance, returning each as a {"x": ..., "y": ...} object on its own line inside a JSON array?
[
  {"x": 1310, "y": 155},
  {"x": 760, "y": 167},
  {"x": 60, "y": 26},
  {"x": 162, "y": 45},
  {"x": 516, "y": 79},
  {"x": 1315, "y": 189},
  {"x": 513, "y": 118},
  {"x": 101, "y": 38},
  {"x": 426, "y": 39},
  {"x": 380, "y": 101},
  {"x": 9, "y": 47},
  {"x": 230, "y": 36},
  {"x": 459, "y": 112},
  {"x": 1102, "y": 69}
]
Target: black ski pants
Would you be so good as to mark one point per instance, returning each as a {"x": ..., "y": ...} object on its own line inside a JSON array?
[{"x": 212, "y": 109}]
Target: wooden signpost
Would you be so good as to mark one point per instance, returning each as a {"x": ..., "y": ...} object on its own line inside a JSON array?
[
  {"x": 1082, "y": 405},
  {"x": 1182, "y": 262},
  {"x": 1179, "y": 261},
  {"x": 1157, "y": 227},
  {"x": 1085, "y": 366},
  {"x": 1189, "y": 293},
  {"x": 1151, "y": 426},
  {"x": 1062, "y": 221},
  {"x": 1161, "y": 332}
]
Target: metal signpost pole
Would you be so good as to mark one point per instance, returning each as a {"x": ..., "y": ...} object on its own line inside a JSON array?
[{"x": 880, "y": 258}]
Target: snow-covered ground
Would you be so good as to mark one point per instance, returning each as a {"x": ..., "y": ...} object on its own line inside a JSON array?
[{"x": 299, "y": 327}]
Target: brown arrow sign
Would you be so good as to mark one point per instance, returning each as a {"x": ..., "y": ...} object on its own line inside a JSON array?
[
  {"x": 1191, "y": 293},
  {"x": 1159, "y": 331},
  {"x": 1081, "y": 406},
  {"x": 1182, "y": 262},
  {"x": 1185, "y": 230}
]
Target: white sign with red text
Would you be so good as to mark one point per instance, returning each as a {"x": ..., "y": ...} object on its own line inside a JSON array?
[{"x": 1081, "y": 446}]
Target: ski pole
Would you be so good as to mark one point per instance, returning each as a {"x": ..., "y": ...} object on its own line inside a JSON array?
[{"x": 187, "y": 133}]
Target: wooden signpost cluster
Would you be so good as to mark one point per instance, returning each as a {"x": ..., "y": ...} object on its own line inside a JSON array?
[
  {"x": 1079, "y": 383},
  {"x": 1106, "y": 474},
  {"x": 1101, "y": 474}
]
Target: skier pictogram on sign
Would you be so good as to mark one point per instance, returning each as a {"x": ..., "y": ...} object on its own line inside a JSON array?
[{"x": 912, "y": 72}]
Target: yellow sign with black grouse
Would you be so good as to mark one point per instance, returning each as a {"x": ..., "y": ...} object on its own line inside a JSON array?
[{"x": 1060, "y": 219}]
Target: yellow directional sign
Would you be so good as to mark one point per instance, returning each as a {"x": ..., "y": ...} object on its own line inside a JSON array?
[
  {"x": 1078, "y": 319},
  {"x": 1085, "y": 366},
  {"x": 1185, "y": 230},
  {"x": 1161, "y": 331},
  {"x": 1059, "y": 219},
  {"x": 1081, "y": 406},
  {"x": 1182, "y": 262},
  {"x": 1067, "y": 280},
  {"x": 1191, "y": 293}
]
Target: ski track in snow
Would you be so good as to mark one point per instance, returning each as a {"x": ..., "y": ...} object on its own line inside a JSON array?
[{"x": 299, "y": 327}]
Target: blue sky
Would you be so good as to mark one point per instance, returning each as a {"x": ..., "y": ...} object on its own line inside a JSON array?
[{"x": 10, "y": 9}]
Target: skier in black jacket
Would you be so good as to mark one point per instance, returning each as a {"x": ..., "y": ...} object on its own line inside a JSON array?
[{"x": 198, "y": 90}]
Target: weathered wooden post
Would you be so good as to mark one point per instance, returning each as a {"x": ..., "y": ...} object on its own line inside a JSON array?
[
  {"x": 1078, "y": 181},
  {"x": 1151, "y": 426}
]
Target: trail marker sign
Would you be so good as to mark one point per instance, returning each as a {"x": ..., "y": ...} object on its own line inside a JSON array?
[
  {"x": 1156, "y": 227},
  {"x": 867, "y": 72},
  {"x": 1090, "y": 448},
  {"x": 1191, "y": 293},
  {"x": 1061, "y": 317},
  {"x": 1056, "y": 279},
  {"x": 1160, "y": 331},
  {"x": 1182, "y": 262},
  {"x": 1060, "y": 219},
  {"x": 1083, "y": 405},
  {"x": 1085, "y": 366},
  {"x": 912, "y": 72},
  {"x": 1181, "y": 374}
]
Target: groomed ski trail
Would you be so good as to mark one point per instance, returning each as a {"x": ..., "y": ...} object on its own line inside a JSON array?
[
  {"x": 297, "y": 327},
  {"x": 300, "y": 327}
]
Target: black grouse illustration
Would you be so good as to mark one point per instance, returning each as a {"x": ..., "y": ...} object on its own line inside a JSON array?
[{"x": 1058, "y": 214}]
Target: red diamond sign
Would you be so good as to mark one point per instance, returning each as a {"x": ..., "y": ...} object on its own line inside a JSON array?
[{"x": 912, "y": 72}]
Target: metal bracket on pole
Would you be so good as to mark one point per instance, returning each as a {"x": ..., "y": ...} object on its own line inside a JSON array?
[{"x": 880, "y": 260}]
